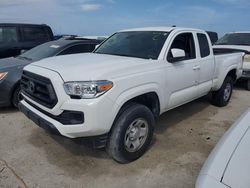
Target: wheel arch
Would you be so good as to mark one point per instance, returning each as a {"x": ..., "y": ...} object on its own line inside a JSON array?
[
  {"x": 231, "y": 71},
  {"x": 150, "y": 99}
]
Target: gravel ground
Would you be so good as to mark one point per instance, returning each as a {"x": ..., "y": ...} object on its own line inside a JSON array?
[{"x": 184, "y": 137}]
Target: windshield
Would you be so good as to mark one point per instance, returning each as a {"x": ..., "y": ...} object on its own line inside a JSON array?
[
  {"x": 235, "y": 39},
  {"x": 140, "y": 44},
  {"x": 40, "y": 52}
]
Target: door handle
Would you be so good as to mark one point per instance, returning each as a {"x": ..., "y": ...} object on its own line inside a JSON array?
[{"x": 196, "y": 67}]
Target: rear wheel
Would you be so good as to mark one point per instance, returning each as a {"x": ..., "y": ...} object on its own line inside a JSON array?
[
  {"x": 132, "y": 133},
  {"x": 17, "y": 97},
  {"x": 222, "y": 96}
]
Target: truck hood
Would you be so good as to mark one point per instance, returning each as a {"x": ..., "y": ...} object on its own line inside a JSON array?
[
  {"x": 91, "y": 66},
  {"x": 236, "y": 47}
]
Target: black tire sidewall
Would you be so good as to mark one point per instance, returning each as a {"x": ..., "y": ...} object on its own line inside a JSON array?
[
  {"x": 228, "y": 80},
  {"x": 15, "y": 98},
  {"x": 116, "y": 143},
  {"x": 218, "y": 98}
]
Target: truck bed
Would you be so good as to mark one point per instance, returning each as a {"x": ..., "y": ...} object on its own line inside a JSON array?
[{"x": 223, "y": 61}]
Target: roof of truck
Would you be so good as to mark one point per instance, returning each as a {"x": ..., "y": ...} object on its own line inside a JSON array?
[{"x": 166, "y": 29}]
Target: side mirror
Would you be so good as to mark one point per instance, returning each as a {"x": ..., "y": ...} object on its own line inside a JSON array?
[{"x": 178, "y": 54}]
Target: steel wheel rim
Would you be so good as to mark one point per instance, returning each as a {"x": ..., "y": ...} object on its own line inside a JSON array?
[
  {"x": 136, "y": 135},
  {"x": 227, "y": 92}
]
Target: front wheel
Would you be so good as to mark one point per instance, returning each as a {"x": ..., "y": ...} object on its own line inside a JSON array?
[
  {"x": 223, "y": 95},
  {"x": 132, "y": 133},
  {"x": 17, "y": 97}
]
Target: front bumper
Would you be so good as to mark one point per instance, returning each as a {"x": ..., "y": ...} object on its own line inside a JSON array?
[
  {"x": 99, "y": 113},
  {"x": 94, "y": 141},
  {"x": 97, "y": 120},
  {"x": 41, "y": 122}
]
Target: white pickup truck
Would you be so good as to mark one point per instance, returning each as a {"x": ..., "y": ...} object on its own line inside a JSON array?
[
  {"x": 237, "y": 42},
  {"x": 114, "y": 94}
]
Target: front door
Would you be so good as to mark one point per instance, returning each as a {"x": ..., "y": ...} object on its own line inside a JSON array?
[{"x": 183, "y": 74}]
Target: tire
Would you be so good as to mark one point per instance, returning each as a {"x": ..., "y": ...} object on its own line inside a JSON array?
[
  {"x": 222, "y": 97},
  {"x": 126, "y": 142},
  {"x": 17, "y": 97},
  {"x": 248, "y": 85}
]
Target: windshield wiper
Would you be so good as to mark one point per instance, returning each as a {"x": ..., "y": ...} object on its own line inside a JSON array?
[
  {"x": 125, "y": 55},
  {"x": 223, "y": 43},
  {"x": 26, "y": 58}
]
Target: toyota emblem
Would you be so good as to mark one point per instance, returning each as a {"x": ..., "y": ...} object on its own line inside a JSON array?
[{"x": 31, "y": 87}]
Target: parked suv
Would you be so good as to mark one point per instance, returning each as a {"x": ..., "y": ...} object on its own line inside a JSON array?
[{"x": 15, "y": 38}]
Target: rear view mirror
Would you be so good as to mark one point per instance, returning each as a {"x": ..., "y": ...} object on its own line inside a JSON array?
[{"x": 178, "y": 53}]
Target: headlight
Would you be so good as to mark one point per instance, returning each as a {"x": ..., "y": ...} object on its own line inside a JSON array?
[
  {"x": 246, "y": 58},
  {"x": 87, "y": 90},
  {"x": 3, "y": 75}
]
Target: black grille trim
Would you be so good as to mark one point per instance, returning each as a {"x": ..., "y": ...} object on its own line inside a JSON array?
[
  {"x": 65, "y": 118},
  {"x": 42, "y": 90}
]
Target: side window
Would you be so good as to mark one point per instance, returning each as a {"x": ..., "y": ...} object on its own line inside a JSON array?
[
  {"x": 204, "y": 45},
  {"x": 8, "y": 34},
  {"x": 80, "y": 48},
  {"x": 184, "y": 41},
  {"x": 34, "y": 34}
]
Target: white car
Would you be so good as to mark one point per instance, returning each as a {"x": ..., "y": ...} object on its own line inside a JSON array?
[
  {"x": 237, "y": 42},
  {"x": 115, "y": 93},
  {"x": 228, "y": 165}
]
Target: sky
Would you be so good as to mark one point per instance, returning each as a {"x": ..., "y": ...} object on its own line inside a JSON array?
[{"x": 104, "y": 17}]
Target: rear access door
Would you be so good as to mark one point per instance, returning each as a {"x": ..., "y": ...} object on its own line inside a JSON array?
[{"x": 206, "y": 63}]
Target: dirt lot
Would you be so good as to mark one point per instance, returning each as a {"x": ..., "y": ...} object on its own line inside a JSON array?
[{"x": 30, "y": 157}]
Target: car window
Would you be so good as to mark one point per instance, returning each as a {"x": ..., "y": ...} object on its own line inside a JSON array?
[
  {"x": 204, "y": 45},
  {"x": 8, "y": 34},
  {"x": 184, "y": 41},
  {"x": 45, "y": 50},
  {"x": 80, "y": 48},
  {"x": 34, "y": 34}
]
